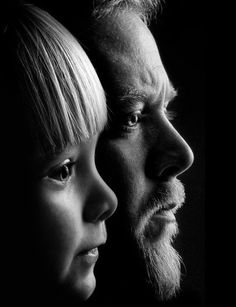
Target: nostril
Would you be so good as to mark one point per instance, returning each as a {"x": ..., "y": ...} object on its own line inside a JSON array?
[
  {"x": 168, "y": 172},
  {"x": 105, "y": 215}
]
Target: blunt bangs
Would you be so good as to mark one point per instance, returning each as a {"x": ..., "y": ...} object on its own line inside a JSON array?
[{"x": 63, "y": 95}]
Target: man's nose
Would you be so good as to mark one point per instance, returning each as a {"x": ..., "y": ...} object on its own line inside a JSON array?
[
  {"x": 101, "y": 202},
  {"x": 170, "y": 155}
]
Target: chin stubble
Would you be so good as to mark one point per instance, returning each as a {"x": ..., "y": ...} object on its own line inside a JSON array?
[
  {"x": 163, "y": 264},
  {"x": 162, "y": 261}
]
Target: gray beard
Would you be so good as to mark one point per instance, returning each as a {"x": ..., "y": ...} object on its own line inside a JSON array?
[{"x": 163, "y": 263}]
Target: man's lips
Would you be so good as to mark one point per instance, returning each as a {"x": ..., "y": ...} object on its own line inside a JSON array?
[
  {"x": 159, "y": 221},
  {"x": 164, "y": 215},
  {"x": 165, "y": 207}
]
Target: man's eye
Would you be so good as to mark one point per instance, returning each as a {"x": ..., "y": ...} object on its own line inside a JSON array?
[
  {"x": 133, "y": 119},
  {"x": 123, "y": 123},
  {"x": 63, "y": 172}
]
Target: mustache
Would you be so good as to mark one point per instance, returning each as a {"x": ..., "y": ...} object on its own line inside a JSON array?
[{"x": 166, "y": 196}]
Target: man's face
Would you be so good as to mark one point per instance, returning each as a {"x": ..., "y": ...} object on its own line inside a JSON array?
[{"x": 140, "y": 154}]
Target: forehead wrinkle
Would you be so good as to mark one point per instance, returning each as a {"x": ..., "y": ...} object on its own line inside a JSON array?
[
  {"x": 133, "y": 61},
  {"x": 152, "y": 76},
  {"x": 160, "y": 90},
  {"x": 157, "y": 85}
]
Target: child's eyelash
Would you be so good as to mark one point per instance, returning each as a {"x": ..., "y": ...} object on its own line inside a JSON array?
[{"x": 65, "y": 169}]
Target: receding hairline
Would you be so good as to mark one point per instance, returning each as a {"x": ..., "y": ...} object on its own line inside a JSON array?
[{"x": 145, "y": 9}]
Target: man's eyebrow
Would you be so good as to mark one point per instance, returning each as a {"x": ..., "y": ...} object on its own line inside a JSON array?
[
  {"x": 131, "y": 98},
  {"x": 132, "y": 94},
  {"x": 170, "y": 93}
]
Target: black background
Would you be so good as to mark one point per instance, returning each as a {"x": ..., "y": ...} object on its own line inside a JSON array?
[{"x": 180, "y": 31}]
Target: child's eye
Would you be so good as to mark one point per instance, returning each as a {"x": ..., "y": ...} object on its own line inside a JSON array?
[{"x": 62, "y": 172}]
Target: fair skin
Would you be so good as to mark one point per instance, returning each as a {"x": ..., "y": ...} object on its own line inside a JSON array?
[
  {"x": 72, "y": 203},
  {"x": 56, "y": 203},
  {"x": 142, "y": 149}
]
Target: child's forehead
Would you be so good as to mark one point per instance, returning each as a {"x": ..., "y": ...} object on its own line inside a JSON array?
[
  {"x": 41, "y": 163},
  {"x": 71, "y": 147}
]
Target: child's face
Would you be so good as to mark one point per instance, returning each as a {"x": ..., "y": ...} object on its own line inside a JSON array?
[{"x": 72, "y": 204}]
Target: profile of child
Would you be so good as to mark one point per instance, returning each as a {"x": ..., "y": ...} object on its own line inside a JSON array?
[{"x": 57, "y": 203}]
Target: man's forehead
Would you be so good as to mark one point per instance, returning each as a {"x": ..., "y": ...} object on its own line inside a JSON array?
[
  {"x": 122, "y": 32},
  {"x": 124, "y": 42},
  {"x": 132, "y": 64}
]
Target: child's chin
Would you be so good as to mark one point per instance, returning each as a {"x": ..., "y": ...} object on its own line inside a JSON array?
[
  {"x": 88, "y": 287},
  {"x": 83, "y": 288}
]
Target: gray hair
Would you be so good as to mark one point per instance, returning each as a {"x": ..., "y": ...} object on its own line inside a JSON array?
[{"x": 146, "y": 9}]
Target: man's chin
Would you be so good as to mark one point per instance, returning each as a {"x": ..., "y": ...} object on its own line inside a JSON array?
[{"x": 163, "y": 263}]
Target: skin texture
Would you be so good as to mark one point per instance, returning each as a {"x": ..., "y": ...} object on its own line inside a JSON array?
[
  {"x": 140, "y": 149},
  {"x": 70, "y": 205}
]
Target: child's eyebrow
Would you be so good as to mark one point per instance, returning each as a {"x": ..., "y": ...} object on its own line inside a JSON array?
[
  {"x": 38, "y": 161},
  {"x": 57, "y": 155}
]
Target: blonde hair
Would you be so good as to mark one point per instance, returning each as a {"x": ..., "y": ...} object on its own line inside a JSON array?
[{"x": 58, "y": 86}]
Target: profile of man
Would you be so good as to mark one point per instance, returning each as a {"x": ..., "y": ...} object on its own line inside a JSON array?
[
  {"x": 140, "y": 154},
  {"x": 144, "y": 154}
]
